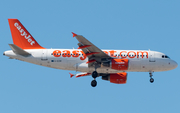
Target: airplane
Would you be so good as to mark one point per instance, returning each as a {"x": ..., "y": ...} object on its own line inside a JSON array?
[{"x": 88, "y": 59}]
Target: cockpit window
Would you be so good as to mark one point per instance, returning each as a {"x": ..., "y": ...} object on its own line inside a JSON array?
[{"x": 165, "y": 56}]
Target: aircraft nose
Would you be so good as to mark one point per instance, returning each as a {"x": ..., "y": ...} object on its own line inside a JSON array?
[{"x": 174, "y": 64}]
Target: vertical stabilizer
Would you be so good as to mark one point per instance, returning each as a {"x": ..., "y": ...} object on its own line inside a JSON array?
[{"x": 21, "y": 37}]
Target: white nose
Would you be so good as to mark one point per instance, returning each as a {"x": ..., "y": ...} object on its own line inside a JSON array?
[{"x": 174, "y": 64}]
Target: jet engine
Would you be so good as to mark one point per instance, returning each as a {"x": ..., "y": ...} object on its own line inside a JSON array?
[
  {"x": 117, "y": 64},
  {"x": 118, "y": 78}
]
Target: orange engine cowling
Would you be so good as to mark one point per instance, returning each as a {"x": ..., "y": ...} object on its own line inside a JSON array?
[
  {"x": 118, "y": 78},
  {"x": 119, "y": 64}
]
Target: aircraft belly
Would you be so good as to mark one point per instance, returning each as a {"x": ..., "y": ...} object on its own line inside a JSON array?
[
  {"x": 143, "y": 65},
  {"x": 58, "y": 63},
  {"x": 134, "y": 65}
]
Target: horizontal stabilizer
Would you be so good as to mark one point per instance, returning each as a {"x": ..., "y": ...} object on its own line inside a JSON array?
[{"x": 18, "y": 50}]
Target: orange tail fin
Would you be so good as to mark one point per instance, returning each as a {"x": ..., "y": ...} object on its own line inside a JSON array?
[{"x": 21, "y": 37}]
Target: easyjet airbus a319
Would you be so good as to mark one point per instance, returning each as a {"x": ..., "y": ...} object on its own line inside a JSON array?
[{"x": 111, "y": 65}]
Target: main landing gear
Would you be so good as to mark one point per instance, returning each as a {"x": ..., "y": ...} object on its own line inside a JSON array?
[
  {"x": 151, "y": 79},
  {"x": 94, "y": 82}
]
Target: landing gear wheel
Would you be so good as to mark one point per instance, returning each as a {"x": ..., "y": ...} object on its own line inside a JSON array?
[
  {"x": 93, "y": 83},
  {"x": 94, "y": 74},
  {"x": 151, "y": 80}
]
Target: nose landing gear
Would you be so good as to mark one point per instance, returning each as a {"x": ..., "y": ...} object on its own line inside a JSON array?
[{"x": 151, "y": 79}]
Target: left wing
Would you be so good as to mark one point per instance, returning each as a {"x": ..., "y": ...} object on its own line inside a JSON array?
[{"x": 93, "y": 53}]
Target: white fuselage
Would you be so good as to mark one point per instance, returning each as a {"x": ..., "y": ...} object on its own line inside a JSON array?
[{"x": 74, "y": 59}]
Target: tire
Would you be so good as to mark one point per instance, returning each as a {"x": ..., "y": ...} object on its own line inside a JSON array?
[
  {"x": 94, "y": 74},
  {"x": 93, "y": 83},
  {"x": 151, "y": 80}
]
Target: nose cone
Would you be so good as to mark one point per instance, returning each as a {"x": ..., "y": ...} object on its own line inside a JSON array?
[{"x": 174, "y": 64}]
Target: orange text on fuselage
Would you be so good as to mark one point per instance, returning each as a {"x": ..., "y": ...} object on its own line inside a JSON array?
[{"x": 112, "y": 53}]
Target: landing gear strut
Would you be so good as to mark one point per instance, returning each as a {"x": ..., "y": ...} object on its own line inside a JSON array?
[
  {"x": 94, "y": 82},
  {"x": 151, "y": 79}
]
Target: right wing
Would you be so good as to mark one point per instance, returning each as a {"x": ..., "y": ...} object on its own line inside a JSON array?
[{"x": 80, "y": 74}]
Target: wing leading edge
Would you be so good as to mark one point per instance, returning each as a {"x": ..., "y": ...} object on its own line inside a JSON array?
[{"x": 93, "y": 53}]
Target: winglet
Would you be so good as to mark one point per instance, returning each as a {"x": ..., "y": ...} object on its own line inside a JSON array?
[
  {"x": 74, "y": 34},
  {"x": 71, "y": 75}
]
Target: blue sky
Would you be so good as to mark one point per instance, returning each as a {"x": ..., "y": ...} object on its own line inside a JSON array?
[{"x": 115, "y": 24}]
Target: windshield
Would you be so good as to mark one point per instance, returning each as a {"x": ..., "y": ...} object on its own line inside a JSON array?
[{"x": 165, "y": 56}]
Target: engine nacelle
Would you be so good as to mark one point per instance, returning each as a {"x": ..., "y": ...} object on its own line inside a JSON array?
[
  {"x": 118, "y": 78},
  {"x": 119, "y": 64}
]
